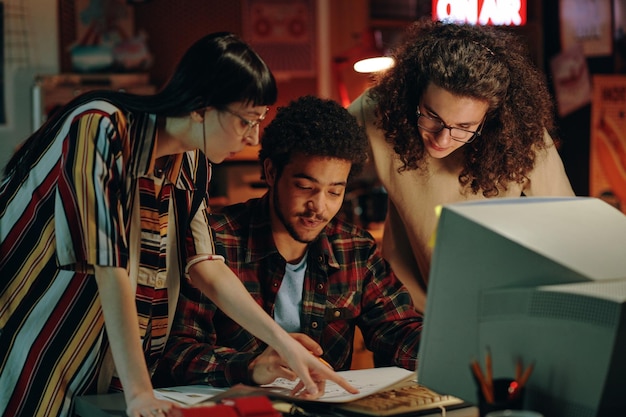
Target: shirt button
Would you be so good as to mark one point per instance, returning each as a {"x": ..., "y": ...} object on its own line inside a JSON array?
[
  {"x": 320, "y": 259},
  {"x": 337, "y": 313},
  {"x": 314, "y": 325},
  {"x": 320, "y": 286},
  {"x": 275, "y": 284}
]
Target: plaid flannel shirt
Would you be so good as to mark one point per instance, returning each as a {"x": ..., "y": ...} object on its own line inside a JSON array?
[{"x": 347, "y": 283}]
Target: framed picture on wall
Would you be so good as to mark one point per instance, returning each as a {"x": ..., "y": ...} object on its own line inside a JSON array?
[
  {"x": 283, "y": 33},
  {"x": 572, "y": 83},
  {"x": 588, "y": 22}
]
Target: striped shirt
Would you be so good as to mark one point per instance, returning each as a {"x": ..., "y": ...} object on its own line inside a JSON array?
[
  {"x": 90, "y": 198},
  {"x": 347, "y": 283}
]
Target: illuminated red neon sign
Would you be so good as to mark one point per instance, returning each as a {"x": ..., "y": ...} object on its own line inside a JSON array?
[{"x": 481, "y": 12}]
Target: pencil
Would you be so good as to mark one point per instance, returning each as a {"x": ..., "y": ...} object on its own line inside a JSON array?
[
  {"x": 488, "y": 370},
  {"x": 526, "y": 375},
  {"x": 481, "y": 382},
  {"x": 324, "y": 362},
  {"x": 319, "y": 358}
]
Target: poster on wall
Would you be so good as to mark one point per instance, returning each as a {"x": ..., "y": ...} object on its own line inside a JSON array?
[
  {"x": 106, "y": 39},
  {"x": 572, "y": 84},
  {"x": 588, "y": 22},
  {"x": 283, "y": 33},
  {"x": 607, "y": 165}
]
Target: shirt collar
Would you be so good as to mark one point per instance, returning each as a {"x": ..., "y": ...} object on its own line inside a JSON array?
[
  {"x": 260, "y": 226},
  {"x": 179, "y": 168}
]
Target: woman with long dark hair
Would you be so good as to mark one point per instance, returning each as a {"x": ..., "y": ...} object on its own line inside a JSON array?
[{"x": 102, "y": 213}]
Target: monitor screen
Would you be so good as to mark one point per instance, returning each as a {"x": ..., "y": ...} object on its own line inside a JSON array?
[{"x": 537, "y": 279}]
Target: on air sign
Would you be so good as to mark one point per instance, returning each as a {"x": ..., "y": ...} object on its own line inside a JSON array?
[{"x": 481, "y": 12}]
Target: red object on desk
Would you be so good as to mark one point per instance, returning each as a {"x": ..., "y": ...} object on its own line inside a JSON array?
[
  {"x": 256, "y": 406},
  {"x": 209, "y": 410}
]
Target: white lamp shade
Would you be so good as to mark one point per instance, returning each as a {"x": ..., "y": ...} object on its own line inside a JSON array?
[{"x": 376, "y": 64}]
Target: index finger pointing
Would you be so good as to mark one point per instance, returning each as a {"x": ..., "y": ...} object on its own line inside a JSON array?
[{"x": 331, "y": 375}]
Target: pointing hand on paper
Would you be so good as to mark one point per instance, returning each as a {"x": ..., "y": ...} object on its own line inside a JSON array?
[
  {"x": 299, "y": 390},
  {"x": 269, "y": 365}
]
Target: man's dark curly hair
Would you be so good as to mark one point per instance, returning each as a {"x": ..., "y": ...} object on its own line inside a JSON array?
[
  {"x": 479, "y": 62},
  {"x": 314, "y": 127}
]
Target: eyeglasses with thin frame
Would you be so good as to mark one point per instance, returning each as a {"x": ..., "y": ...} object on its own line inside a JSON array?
[
  {"x": 247, "y": 123},
  {"x": 433, "y": 125}
]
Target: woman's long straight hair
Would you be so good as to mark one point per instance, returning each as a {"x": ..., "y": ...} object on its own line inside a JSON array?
[{"x": 216, "y": 70}]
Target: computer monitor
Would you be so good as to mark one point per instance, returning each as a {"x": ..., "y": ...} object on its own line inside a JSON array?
[{"x": 541, "y": 279}]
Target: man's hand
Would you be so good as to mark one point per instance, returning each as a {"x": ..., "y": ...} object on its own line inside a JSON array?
[{"x": 269, "y": 365}]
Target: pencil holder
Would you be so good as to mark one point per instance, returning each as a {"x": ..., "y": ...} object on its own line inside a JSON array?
[{"x": 505, "y": 397}]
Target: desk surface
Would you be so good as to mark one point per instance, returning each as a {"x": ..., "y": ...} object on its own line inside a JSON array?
[
  {"x": 109, "y": 405},
  {"x": 113, "y": 405}
]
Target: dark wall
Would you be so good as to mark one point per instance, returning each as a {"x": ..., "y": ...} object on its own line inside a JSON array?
[
  {"x": 575, "y": 128},
  {"x": 174, "y": 25}
]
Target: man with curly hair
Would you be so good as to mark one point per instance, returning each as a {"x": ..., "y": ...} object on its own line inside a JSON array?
[
  {"x": 314, "y": 273},
  {"x": 463, "y": 115}
]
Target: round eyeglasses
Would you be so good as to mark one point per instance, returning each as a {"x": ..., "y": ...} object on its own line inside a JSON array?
[
  {"x": 247, "y": 124},
  {"x": 433, "y": 125}
]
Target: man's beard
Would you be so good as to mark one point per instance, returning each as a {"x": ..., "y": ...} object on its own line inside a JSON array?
[{"x": 290, "y": 229}]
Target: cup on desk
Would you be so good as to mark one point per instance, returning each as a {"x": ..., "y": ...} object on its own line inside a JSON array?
[{"x": 505, "y": 397}]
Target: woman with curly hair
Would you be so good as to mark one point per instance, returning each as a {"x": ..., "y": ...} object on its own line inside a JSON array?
[{"x": 463, "y": 115}]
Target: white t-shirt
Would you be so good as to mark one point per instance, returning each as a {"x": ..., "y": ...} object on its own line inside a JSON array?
[{"x": 289, "y": 297}]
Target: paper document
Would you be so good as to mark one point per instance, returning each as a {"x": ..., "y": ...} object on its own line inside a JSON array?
[
  {"x": 189, "y": 394},
  {"x": 367, "y": 381}
]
